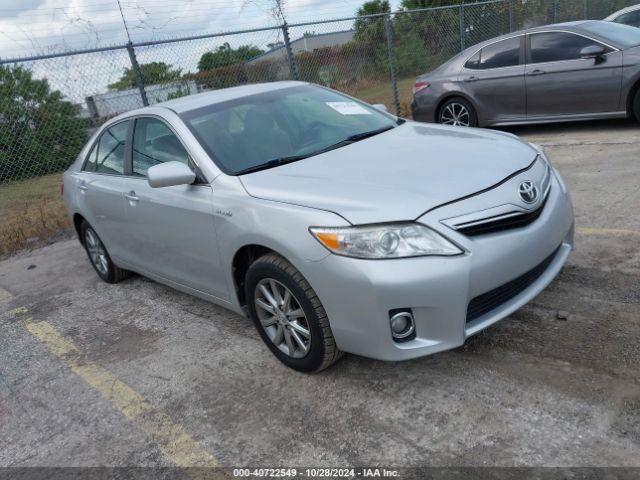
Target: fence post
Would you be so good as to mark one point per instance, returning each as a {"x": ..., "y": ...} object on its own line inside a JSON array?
[
  {"x": 392, "y": 68},
  {"x": 555, "y": 11},
  {"x": 138, "y": 73},
  {"x": 461, "y": 26},
  {"x": 585, "y": 7},
  {"x": 511, "y": 14},
  {"x": 287, "y": 46}
]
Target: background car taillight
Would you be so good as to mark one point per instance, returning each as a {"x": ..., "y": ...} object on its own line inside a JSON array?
[{"x": 418, "y": 86}]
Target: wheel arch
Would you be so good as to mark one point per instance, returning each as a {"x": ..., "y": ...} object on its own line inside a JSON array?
[
  {"x": 449, "y": 96},
  {"x": 77, "y": 223},
  {"x": 631, "y": 96},
  {"x": 242, "y": 260}
]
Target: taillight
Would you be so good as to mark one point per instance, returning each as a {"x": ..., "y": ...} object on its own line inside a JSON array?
[
  {"x": 62, "y": 188},
  {"x": 419, "y": 86}
]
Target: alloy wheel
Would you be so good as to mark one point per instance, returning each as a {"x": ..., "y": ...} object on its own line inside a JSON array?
[
  {"x": 282, "y": 318},
  {"x": 455, "y": 114},
  {"x": 97, "y": 252}
]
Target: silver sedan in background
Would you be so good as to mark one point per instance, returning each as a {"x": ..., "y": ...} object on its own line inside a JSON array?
[
  {"x": 334, "y": 226},
  {"x": 572, "y": 71},
  {"x": 627, "y": 16}
]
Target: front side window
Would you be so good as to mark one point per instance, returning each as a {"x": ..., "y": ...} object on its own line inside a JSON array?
[
  {"x": 289, "y": 124},
  {"x": 154, "y": 143},
  {"x": 505, "y": 53},
  {"x": 107, "y": 156},
  {"x": 558, "y": 46}
]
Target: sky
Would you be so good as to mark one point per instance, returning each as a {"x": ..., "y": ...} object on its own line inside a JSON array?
[
  {"x": 30, "y": 27},
  {"x": 36, "y": 27}
]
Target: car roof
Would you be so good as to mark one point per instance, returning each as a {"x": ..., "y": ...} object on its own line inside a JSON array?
[
  {"x": 575, "y": 26},
  {"x": 615, "y": 15},
  {"x": 198, "y": 100}
]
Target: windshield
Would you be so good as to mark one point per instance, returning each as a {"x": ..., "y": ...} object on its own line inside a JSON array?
[
  {"x": 264, "y": 130},
  {"x": 622, "y": 35}
]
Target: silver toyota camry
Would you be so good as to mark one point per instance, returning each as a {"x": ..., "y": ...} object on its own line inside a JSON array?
[{"x": 335, "y": 226}]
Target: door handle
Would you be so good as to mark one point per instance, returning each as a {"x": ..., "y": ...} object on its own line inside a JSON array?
[
  {"x": 535, "y": 72},
  {"x": 131, "y": 196},
  {"x": 471, "y": 79}
]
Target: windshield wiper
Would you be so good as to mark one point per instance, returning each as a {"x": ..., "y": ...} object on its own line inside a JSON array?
[
  {"x": 363, "y": 135},
  {"x": 272, "y": 163},
  {"x": 276, "y": 162}
]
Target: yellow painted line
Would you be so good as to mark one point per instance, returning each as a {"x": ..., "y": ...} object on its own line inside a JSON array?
[
  {"x": 171, "y": 438},
  {"x": 606, "y": 231},
  {"x": 18, "y": 311}
]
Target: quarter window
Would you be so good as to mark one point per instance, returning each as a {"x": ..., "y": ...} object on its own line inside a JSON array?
[
  {"x": 155, "y": 143},
  {"x": 107, "y": 156},
  {"x": 558, "y": 46}
]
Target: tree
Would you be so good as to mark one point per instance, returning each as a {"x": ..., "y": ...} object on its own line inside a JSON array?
[
  {"x": 152, "y": 73},
  {"x": 371, "y": 29},
  {"x": 40, "y": 132},
  {"x": 225, "y": 55}
]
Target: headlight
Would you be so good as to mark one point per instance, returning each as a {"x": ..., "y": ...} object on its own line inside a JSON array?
[{"x": 398, "y": 240}]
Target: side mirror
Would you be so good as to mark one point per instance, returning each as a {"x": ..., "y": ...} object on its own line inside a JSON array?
[
  {"x": 592, "y": 51},
  {"x": 380, "y": 106},
  {"x": 169, "y": 174}
]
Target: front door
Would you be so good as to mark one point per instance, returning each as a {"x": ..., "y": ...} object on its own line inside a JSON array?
[
  {"x": 171, "y": 229},
  {"x": 560, "y": 82}
]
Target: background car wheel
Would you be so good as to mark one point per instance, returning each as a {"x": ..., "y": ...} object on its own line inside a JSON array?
[
  {"x": 99, "y": 257},
  {"x": 636, "y": 106},
  {"x": 458, "y": 112},
  {"x": 288, "y": 315}
]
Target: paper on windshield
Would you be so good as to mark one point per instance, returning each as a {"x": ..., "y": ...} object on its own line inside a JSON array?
[{"x": 349, "y": 108}]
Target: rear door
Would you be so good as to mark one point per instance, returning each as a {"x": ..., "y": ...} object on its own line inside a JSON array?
[
  {"x": 171, "y": 229},
  {"x": 560, "y": 82},
  {"x": 100, "y": 185},
  {"x": 494, "y": 79}
]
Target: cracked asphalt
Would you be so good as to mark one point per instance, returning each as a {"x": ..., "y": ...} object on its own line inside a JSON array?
[{"x": 533, "y": 390}]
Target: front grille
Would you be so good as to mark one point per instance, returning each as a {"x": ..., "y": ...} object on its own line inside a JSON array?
[
  {"x": 486, "y": 302},
  {"x": 516, "y": 221}
]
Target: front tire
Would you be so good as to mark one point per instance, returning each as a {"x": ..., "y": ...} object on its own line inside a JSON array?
[
  {"x": 636, "y": 105},
  {"x": 289, "y": 316},
  {"x": 99, "y": 257},
  {"x": 458, "y": 112}
]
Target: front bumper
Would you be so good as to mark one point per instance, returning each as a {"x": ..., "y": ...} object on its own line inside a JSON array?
[{"x": 358, "y": 294}]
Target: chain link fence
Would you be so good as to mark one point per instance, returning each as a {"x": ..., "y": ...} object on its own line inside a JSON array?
[{"x": 50, "y": 104}]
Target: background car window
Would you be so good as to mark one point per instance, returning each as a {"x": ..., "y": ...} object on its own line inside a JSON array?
[
  {"x": 154, "y": 143},
  {"x": 557, "y": 46},
  {"x": 108, "y": 155},
  {"x": 631, "y": 18},
  {"x": 501, "y": 54}
]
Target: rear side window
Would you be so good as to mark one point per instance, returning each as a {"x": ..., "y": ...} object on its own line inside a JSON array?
[
  {"x": 505, "y": 53},
  {"x": 154, "y": 143},
  {"x": 558, "y": 46},
  {"x": 107, "y": 156}
]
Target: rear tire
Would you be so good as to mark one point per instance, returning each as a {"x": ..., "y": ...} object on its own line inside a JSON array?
[
  {"x": 99, "y": 257},
  {"x": 279, "y": 320},
  {"x": 457, "y": 112}
]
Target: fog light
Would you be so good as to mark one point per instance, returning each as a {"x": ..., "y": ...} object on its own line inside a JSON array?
[{"x": 402, "y": 325}]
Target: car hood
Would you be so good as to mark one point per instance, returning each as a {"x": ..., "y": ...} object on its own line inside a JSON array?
[{"x": 396, "y": 175}]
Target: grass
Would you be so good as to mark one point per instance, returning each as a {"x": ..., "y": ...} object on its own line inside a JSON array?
[
  {"x": 380, "y": 91},
  {"x": 31, "y": 211}
]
